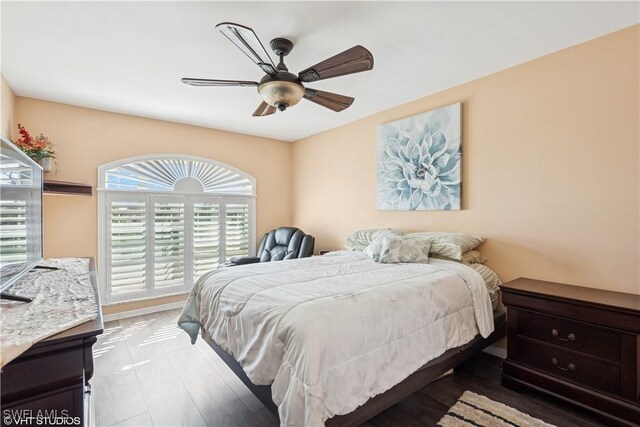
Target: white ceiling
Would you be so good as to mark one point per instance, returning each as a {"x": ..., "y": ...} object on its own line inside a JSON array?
[{"x": 128, "y": 57}]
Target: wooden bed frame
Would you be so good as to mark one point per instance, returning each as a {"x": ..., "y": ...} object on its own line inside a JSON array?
[{"x": 414, "y": 382}]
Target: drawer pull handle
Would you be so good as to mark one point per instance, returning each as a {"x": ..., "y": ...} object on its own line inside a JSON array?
[
  {"x": 570, "y": 337},
  {"x": 571, "y": 366}
]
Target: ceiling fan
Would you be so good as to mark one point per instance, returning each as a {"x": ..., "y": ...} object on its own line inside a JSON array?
[{"x": 281, "y": 89}]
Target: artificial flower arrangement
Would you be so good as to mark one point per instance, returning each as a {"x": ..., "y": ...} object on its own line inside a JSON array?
[{"x": 39, "y": 148}]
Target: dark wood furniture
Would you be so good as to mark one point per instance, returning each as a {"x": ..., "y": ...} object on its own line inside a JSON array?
[
  {"x": 578, "y": 344},
  {"x": 422, "y": 377},
  {"x": 54, "y": 374},
  {"x": 66, "y": 188}
]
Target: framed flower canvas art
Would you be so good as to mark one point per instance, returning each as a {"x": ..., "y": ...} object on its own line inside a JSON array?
[{"x": 419, "y": 162}]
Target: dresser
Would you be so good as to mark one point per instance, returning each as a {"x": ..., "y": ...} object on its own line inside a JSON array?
[
  {"x": 52, "y": 376},
  {"x": 576, "y": 344}
]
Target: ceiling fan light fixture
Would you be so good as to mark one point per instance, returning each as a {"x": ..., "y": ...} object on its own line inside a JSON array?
[
  {"x": 279, "y": 93},
  {"x": 281, "y": 89}
]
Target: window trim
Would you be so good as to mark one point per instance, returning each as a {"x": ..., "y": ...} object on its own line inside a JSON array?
[{"x": 105, "y": 195}]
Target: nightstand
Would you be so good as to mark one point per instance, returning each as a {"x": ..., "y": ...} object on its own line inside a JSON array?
[{"x": 576, "y": 344}]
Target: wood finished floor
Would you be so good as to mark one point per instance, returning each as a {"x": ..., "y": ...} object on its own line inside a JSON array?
[{"x": 147, "y": 373}]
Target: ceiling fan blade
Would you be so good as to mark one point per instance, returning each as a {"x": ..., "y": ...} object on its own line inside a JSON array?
[
  {"x": 209, "y": 82},
  {"x": 264, "y": 109},
  {"x": 246, "y": 40},
  {"x": 354, "y": 60},
  {"x": 332, "y": 101}
]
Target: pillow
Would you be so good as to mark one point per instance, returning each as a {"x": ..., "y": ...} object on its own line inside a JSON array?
[
  {"x": 375, "y": 247},
  {"x": 359, "y": 240},
  {"x": 398, "y": 249},
  {"x": 473, "y": 257},
  {"x": 491, "y": 279},
  {"x": 469, "y": 257},
  {"x": 450, "y": 245}
]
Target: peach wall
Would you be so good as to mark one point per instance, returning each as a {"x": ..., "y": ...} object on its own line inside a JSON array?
[
  {"x": 7, "y": 108},
  {"x": 86, "y": 138},
  {"x": 550, "y": 168}
]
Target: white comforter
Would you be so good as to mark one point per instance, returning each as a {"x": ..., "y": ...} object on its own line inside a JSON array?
[{"x": 328, "y": 333}]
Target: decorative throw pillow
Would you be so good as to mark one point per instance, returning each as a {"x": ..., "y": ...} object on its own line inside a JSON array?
[
  {"x": 359, "y": 240},
  {"x": 399, "y": 249},
  {"x": 450, "y": 245},
  {"x": 375, "y": 247},
  {"x": 469, "y": 257}
]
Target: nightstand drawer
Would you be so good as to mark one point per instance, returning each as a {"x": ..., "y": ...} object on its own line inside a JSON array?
[
  {"x": 581, "y": 345},
  {"x": 556, "y": 361},
  {"x": 577, "y": 336}
]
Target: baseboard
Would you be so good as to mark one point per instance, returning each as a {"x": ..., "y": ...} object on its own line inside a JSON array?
[
  {"x": 141, "y": 311},
  {"x": 496, "y": 351}
]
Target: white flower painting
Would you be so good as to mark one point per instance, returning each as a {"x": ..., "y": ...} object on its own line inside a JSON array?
[{"x": 419, "y": 162}]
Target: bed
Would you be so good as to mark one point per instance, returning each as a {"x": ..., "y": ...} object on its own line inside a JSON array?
[{"x": 337, "y": 339}]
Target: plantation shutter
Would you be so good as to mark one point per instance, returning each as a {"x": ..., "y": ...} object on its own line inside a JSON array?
[
  {"x": 206, "y": 238},
  {"x": 167, "y": 220},
  {"x": 236, "y": 229},
  {"x": 13, "y": 230},
  {"x": 169, "y": 244},
  {"x": 128, "y": 246}
]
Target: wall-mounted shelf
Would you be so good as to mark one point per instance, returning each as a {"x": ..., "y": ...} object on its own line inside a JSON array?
[{"x": 68, "y": 188}]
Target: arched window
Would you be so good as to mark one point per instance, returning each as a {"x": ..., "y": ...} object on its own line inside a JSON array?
[{"x": 165, "y": 220}]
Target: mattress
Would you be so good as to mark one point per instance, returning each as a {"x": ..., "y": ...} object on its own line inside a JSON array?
[{"x": 328, "y": 333}]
